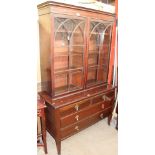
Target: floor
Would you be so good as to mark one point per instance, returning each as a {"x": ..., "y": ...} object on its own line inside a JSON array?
[{"x": 98, "y": 139}]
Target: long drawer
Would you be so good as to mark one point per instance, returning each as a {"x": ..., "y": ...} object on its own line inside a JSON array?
[
  {"x": 83, "y": 114},
  {"x": 76, "y": 127},
  {"x": 100, "y": 115},
  {"x": 76, "y": 117},
  {"x": 66, "y": 132}
]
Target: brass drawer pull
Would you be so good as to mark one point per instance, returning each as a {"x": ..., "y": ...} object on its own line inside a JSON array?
[
  {"x": 106, "y": 98},
  {"x": 77, "y": 128},
  {"x": 88, "y": 95},
  {"x": 77, "y": 117},
  {"x": 101, "y": 115},
  {"x": 102, "y": 106},
  {"x": 77, "y": 107}
]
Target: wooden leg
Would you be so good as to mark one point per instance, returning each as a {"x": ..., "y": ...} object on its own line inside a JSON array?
[
  {"x": 44, "y": 133},
  {"x": 109, "y": 119},
  {"x": 58, "y": 144},
  {"x": 117, "y": 123}
]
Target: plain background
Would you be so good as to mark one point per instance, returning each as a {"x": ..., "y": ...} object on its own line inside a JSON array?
[{"x": 18, "y": 77}]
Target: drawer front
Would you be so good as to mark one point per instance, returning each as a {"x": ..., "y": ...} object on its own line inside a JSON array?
[
  {"x": 83, "y": 114},
  {"x": 75, "y": 128},
  {"x": 103, "y": 98},
  {"x": 67, "y": 110},
  {"x": 100, "y": 115},
  {"x": 76, "y": 117},
  {"x": 100, "y": 106}
]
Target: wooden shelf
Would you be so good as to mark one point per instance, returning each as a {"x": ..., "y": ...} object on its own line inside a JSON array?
[
  {"x": 67, "y": 32},
  {"x": 69, "y": 46},
  {"x": 93, "y": 66},
  {"x": 93, "y": 82},
  {"x": 66, "y": 70},
  {"x": 97, "y": 66},
  {"x": 93, "y": 53},
  {"x": 94, "y": 33},
  {"x": 59, "y": 54}
]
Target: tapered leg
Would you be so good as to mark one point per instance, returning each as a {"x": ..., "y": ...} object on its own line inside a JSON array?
[
  {"x": 109, "y": 119},
  {"x": 117, "y": 123},
  {"x": 44, "y": 133},
  {"x": 58, "y": 144}
]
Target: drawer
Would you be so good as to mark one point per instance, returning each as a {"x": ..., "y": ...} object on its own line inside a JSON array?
[
  {"x": 66, "y": 132},
  {"x": 67, "y": 110},
  {"x": 100, "y": 115},
  {"x": 104, "y": 97},
  {"x": 76, "y": 117},
  {"x": 99, "y": 107}
]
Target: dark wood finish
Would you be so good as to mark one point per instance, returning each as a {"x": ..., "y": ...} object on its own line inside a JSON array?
[
  {"x": 41, "y": 114},
  {"x": 74, "y": 67},
  {"x": 62, "y": 120},
  {"x": 117, "y": 117},
  {"x": 65, "y": 111}
]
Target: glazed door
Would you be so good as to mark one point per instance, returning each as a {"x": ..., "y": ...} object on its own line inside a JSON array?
[
  {"x": 98, "y": 52},
  {"x": 69, "y": 46}
]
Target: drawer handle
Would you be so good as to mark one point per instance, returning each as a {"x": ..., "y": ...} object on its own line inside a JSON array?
[
  {"x": 77, "y": 117},
  {"x": 102, "y": 106},
  {"x": 77, "y": 107},
  {"x": 106, "y": 98},
  {"x": 88, "y": 95},
  {"x": 78, "y": 14},
  {"x": 101, "y": 115},
  {"x": 77, "y": 128}
]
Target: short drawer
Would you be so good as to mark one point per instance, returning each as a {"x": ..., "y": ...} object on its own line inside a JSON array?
[
  {"x": 74, "y": 118},
  {"x": 67, "y": 110},
  {"x": 103, "y": 97},
  {"x": 100, "y": 106},
  {"x": 66, "y": 132}
]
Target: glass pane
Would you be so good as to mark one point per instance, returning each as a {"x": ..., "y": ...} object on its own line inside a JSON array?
[
  {"x": 76, "y": 49},
  {"x": 61, "y": 39},
  {"x": 76, "y": 80},
  {"x": 76, "y": 61},
  {"x": 102, "y": 74},
  {"x": 104, "y": 55},
  {"x": 92, "y": 76},
  {"x": 61, "y": 83},
  {"x": 77, "y": 36},
  {"x": 93, "y": 59},
  {"x": 60, "y": 63},
  {"x": 76, "y": 57},
  {"x": 58, "y": 51},
  {"x": 69, "y": 31}
]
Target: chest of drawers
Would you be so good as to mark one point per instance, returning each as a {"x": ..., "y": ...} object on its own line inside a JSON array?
[{"x": 68, "y": 115}]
